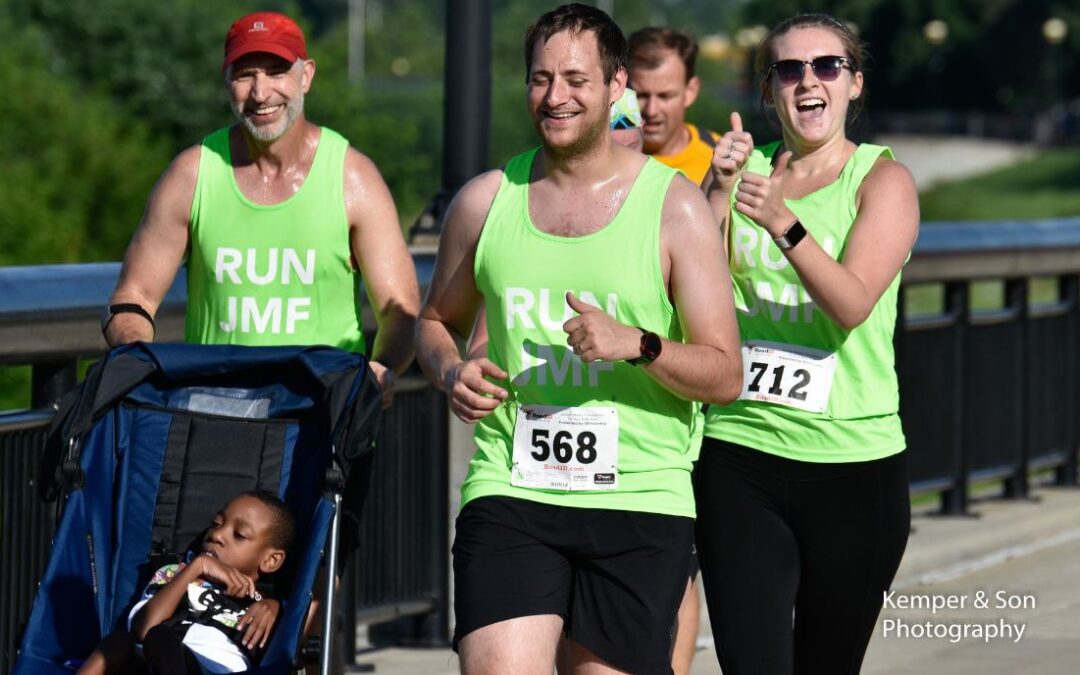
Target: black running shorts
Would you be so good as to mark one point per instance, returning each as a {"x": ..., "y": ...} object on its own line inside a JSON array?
[{"x": 615, "y": 577}]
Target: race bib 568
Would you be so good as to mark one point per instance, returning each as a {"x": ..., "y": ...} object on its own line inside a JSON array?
[{"x": 558, "y": 448}]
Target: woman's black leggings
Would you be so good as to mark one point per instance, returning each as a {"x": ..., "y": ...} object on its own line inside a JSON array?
[{"x": 795, "y": 556}]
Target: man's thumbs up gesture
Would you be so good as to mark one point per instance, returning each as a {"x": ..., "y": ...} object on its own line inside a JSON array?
[{"x": 595, "y": 336}]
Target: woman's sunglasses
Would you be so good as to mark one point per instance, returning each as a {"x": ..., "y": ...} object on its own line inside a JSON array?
[{"x": 826, "y": 69}]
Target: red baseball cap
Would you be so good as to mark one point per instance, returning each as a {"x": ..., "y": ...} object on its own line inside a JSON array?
[{"x": 264, "y": 32}]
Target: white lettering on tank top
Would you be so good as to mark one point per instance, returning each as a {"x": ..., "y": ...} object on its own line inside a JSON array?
[
  {"x": 264, "y": 267},
  {"x": 780, "y": 302},
  {"x": 554, "y": 364}
]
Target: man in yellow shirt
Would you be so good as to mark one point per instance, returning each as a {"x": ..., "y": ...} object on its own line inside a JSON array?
[{"x": 662, "y": 73}]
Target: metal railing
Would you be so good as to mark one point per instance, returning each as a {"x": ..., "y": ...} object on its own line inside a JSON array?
[
  {"x": 26, "y": 525},
  {"x": 989, "y": 395}
]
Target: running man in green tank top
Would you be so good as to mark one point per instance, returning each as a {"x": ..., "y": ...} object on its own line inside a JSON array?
[
  {"x": 278, "y": 219},
  {"x": 802, "y": 483},
  {"x": 599, "y": 272}
]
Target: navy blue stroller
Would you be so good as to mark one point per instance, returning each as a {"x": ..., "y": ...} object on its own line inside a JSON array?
[{"x": 153, "y": 443}]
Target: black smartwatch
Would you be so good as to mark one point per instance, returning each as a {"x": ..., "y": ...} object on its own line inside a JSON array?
[
  {"x": 650, "y": 347},
  {"x": 791, "y": 236},
  {"x": 125, "y": 308}
]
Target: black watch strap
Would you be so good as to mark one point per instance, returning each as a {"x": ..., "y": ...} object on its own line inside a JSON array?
[
  {"x": 649, "y": 347},
  {"x": 125, "y": 308},
  {"x": 791, "y": 236}
]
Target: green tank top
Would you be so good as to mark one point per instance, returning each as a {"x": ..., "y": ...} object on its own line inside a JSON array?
[
  {"x": 278, "y": 274},
  {"x": 523, "y": 274},
  {"x": 859, "y": 421}
]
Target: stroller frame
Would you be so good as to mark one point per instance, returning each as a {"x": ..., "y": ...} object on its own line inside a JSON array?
[{"x": 318, "y": 396}]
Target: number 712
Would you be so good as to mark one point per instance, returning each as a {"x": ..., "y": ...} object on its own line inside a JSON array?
[{"x": 796, "y": 392}]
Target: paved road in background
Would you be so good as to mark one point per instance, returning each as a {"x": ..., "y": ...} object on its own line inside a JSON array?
[
  {"x": 1026, "y": 549},
  {"x": 935, "y": 159},
  {"x": 1045, "y": 589}
]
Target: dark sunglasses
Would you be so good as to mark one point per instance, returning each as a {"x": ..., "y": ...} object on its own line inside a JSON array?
[{"x": 826, "y": 68}]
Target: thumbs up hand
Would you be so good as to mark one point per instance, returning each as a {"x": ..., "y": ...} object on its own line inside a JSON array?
[
  {"x": 731, "y": 153},
  {"x": 761, "y": 198},
  {"x": 595, "y": 336}
]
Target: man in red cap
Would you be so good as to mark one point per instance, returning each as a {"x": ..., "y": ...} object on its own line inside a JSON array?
[{"x": 276, "y": 218}]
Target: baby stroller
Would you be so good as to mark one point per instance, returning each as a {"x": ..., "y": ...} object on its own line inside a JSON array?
[{"x": 150, "y": 446}]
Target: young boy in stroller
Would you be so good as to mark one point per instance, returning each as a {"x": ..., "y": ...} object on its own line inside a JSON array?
[{"x": 206, "y": 615}]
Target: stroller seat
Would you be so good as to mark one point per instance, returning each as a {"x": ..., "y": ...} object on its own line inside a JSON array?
[{"x": 155, "y": 441}]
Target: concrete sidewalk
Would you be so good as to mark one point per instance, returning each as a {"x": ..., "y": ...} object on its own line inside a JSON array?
[
  {"x": 1026, "y": 549},
  {"x": 936, "y": 159}
]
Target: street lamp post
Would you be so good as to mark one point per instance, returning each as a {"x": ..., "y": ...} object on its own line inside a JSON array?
[
  {"x": 936, "y": 32},
  {"x": 356, "y": 30},
  {"x": 1049, "y": 126}
]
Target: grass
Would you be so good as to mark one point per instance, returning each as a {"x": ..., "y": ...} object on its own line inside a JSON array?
[
  {"x": 15, "y": 385},
  {"x": 14, "y": 388},
  {"x": 1046, "y": 186},
  {"x": 929, "y": 299}
]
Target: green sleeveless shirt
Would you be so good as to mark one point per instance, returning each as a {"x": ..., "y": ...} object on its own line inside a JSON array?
[
  {"x": 277, "y": 274},
  {"x": 860, "y": 420},
  {"x": 523, "y": 274}
]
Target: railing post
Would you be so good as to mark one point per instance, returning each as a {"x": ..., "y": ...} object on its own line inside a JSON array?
[
  {"x": 1069, "y": 291},
  {"x": 434, "y": 627},
  {"x": 954, "y": 501},
  {"x": 50, "y": 380},
  {"x": 1016, "y": 297}
]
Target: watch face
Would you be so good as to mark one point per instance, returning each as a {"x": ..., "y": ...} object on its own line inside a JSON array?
[{"x": 650, "y": 346}]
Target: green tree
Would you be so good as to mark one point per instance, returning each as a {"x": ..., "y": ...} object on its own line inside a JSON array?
[
  {"x": 76, "y": 174},
  {"x": 159, "y": 61}
]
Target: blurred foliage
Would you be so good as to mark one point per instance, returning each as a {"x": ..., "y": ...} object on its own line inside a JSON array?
[
  {"x": 160, "y": 62},
  {"x": 14, "y": 388},
  {"x": 75, "y": 170},
  {"x": 109, "y": 90},
  {"x": 994, "y": 56}
]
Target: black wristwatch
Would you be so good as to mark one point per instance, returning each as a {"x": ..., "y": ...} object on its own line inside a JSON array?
[
  {"x": 650, "y": 347},
  {"x": 791, "y": 236},
  {"x": 125, "y": 308}
]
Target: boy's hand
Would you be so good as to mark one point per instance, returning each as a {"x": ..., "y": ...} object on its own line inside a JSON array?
[
  {"x": 258, "y": 621},
  {"x": 236, "y": 584}
]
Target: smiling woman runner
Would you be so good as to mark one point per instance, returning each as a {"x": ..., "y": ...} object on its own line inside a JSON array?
[{"x": 802, "y": 482}]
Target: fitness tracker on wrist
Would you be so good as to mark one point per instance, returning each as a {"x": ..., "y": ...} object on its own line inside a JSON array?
[
  {"x": 125, "y": 308},
  {"x": 649, "y": 346},
  {"x": 791, "y": 236}
]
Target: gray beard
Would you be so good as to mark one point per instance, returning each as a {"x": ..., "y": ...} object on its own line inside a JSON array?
[{"x": 267, "y": 135}]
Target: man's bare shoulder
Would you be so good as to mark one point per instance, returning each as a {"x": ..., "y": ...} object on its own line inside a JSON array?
[
  {"x": 175, "y": 190},
  {"x": 360, "y": 168},
  {"x": 685, "y": 206},
  {"x": 474, "y": 199},
  {"x": 185, "y": 166}
]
